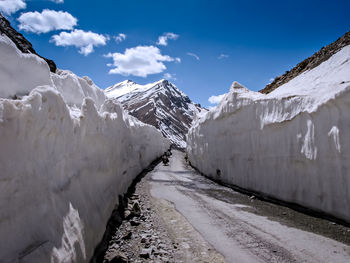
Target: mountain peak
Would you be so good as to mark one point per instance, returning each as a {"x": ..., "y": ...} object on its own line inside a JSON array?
[
  {"x": 160, "y": 104},
  {"x": 163, "y": 81}
]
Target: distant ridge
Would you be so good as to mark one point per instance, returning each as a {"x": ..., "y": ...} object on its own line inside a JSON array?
[{"x": 311, "y": 62}]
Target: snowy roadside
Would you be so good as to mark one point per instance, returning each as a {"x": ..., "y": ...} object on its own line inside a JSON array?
[
  {"x": 66, "y": 154},
  {"x": 197, "y": 220},
  {"x": 243, "y": 228},
  {"x": 291, "y": 144}
]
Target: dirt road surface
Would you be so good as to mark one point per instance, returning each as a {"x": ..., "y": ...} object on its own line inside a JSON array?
[
  {"x": 240, "y": 227},
  {"x": 186, "y": 217}
]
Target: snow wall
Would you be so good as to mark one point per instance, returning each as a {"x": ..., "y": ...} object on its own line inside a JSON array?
[
  {"x": 66, "y": 153},
  {"x": 292, "y": 144}
]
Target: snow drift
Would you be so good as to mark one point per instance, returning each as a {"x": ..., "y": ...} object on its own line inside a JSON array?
[
  {"x": 66, "y": 153},
  {"x": 292, "y": 144}
]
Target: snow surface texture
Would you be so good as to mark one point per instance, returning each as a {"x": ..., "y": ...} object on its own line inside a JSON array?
[
  {"x": 66, "y": 154},
  {"x": 160, "y": 104},
  {"x": 292, "y": 144}
]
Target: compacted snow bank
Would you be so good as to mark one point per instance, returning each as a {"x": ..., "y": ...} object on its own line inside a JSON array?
[
  {"x": 292, "y": 144},
  {"x": 66, "y": 153}
]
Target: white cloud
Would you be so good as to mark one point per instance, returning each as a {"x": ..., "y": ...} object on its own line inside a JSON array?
[
  {"x": 46, "y": 21},
  {"x": 169, "y": 76},
  {"x": 11, "y": 6},
  {"x": 193, "y": 55},
  {"x": 120, "y": 38},
  {"x": 139, "y": 61},
  {"x": 163, "y": 40},
  {"x": 178, "y": 60},
  {"x": 216, "y": 99},
  {"x": 58, "y": 1},
  {"x": 223, "y": 56},
  {"x": 85, "y": 41},
  {"x": 270, "y": 81}
]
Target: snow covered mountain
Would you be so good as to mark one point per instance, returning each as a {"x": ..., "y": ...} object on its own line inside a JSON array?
[
  {"x": 160, "y": 104},
  {"x": 292, "y": 144}
]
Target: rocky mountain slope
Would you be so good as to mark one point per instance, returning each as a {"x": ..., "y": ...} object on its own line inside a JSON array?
[
  {"x": 160, "y": 104},
  {"x": 311, "y": 62},
  {"x": 21, "y": 43}
]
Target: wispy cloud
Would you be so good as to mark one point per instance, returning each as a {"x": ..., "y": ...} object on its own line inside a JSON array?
[
  {"x": 11, "y": 6},
  {"x": 139, "y": 61},
  {"x": 271, "y": 80},
  {"x": 85, "y": 41},
  {"x": 169, "y": 76},
  {"x": 163, "y": 40},
  {"x": 46, "y": 21},
  {"x": 193, "y": 55},
  {"x": 222, "y": 56},
  {"x": 120, "y": 37},
  {"x": 216, "y": 99},
  {"x": 58, "y": 1}
]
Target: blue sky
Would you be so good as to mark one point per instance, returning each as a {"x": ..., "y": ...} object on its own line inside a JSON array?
[{"x": 212, "y": 44}]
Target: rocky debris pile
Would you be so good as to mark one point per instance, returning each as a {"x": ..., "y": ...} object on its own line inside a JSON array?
[
  {"x": 21, "y": 42},
  {"x": 141, "y": 236},
  {"x": 316, "y": 59}
]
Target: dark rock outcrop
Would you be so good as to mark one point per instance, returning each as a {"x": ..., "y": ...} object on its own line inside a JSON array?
[
  {"x": 20, "y": 41},
  {"x": 316, "y": 59}
]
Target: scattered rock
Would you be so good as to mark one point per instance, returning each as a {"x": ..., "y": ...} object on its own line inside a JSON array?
[
  {"x": 140, "y": 237},
  {"x": 146, "y": 253},
  {"x": 165, "y": 259},
  {"x": 119, "y": 257},
  {"x": 127, "y": 213},
  {"x": 134, "y": 223},
  {"x": 127, "y": 236},
  {"x": 135, "y": 196},
  {"x": 133, "y": 210},
  {"x": 143, "y": 239}
]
